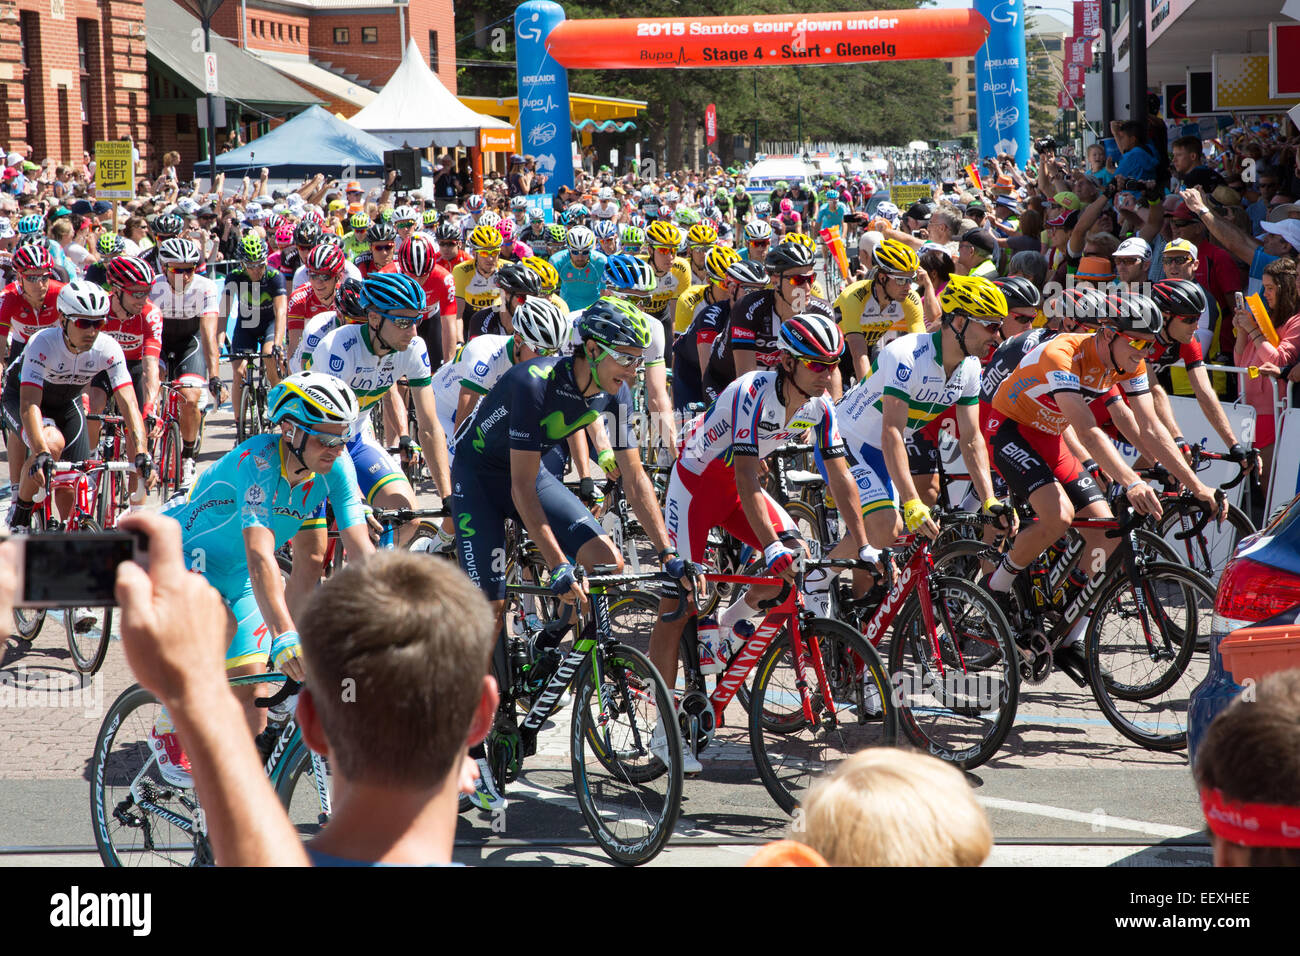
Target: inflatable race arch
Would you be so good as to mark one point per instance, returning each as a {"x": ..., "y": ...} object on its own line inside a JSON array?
[{"x": 548, "y": 45}]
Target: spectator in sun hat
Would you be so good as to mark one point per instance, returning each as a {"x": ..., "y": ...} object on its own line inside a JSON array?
[{"x": 1095, "y": 271}]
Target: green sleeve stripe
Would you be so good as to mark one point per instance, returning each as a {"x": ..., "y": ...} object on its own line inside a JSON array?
[
  {"x": 420, "y": 382},
  {"x": 473, "y": 386},
  {"x": 969, "y": 400},
  {"x": 898, "y": 393}
]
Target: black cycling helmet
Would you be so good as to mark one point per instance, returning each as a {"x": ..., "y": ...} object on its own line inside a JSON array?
[
  {"x": 1134, "y": 314},
  {"x": 169, "y": 225},
  {"x": 788, "y": 255},
  {"x": 381, "y": 231},
  {"x": 1179, "y": 297},
  {"x": 447, "y": 232},
  {"x": 1020, "y": 292},
  {"x": 347, "y": 297},
  {"x": 1081, "y": 304},
  {"x": 307, "y": 233},
  {"x": 515, "y": 278},
  {"x": 748, "y": 273}
]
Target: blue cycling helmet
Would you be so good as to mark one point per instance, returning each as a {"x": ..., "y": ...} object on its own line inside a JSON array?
[
  {"x": 386, "y": 291},
  {"x": 631, "y": 274},
  {"x": 605, "y": 229},
  {"x": 313, "y": 398},
  {"x": 29, "y": 225}
]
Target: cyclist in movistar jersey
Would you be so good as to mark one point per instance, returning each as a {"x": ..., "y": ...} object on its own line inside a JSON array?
[
  {"x": 498, "y": 471},
  {"x": 263, "y": 493},
  {"x": 258, "y": 295}
]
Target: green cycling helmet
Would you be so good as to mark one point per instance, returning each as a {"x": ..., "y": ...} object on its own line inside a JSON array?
[
  {"x": 633, "y": 236},
  {"x": 687, "y": 217},
  {"x": 252, "y": 249},
  {"x": 615, "y": 324},
  {"x": 558, "y": 233}
]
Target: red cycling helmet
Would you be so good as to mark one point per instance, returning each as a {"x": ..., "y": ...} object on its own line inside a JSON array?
[{"x": 325, "y": 260}]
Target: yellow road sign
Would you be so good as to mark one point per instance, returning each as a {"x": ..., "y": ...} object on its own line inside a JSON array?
[{"x": 114, "y": 170}]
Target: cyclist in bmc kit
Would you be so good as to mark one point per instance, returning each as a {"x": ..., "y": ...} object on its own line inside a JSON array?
[
  {"x": 257, "y": 295},
  {"x": 43, "y": 405},
  {"x": 418, "y": 259},
  {"x": 189, "y": 305},
  {"x": 498, "y": 472},
  {"x": 262, "y": 494}
]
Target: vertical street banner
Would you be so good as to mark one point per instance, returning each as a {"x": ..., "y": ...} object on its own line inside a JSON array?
[
  {"x": 711, "y": 124},
  {"x": 114, "y": 170},
  {"x": 543, "y": 86},
  {"x": 1087, "y": 18},
  {"x": 1002, "y": 83},
  {"x": 1079, "y": 50}
]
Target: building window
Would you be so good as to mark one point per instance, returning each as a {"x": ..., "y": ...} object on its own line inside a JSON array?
[
  {"x": 370, "y": 34},
  {"x": 970, "y": 102},
  {"x": 341, "y": 36},
  {"x": 433, "y": 50},
  {"x": 949, "y": 66},
  {"x": 1052, "y": 43},
  {"x": 970, "y": 84}
]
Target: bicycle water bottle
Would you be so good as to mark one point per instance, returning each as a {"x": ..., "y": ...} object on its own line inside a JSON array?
[
  {"x": 710, "y": 638},
  {"x": 740, "y": 635}
]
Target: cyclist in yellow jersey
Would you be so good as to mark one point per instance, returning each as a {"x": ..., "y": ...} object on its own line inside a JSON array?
[
  {"x": 672, "y": 273},
  {"x": 476, "y": 280},
  {"x": 700, "y": 238},
  {"x": 688, "y": 304},
  {"x": 881, "y": 308}
]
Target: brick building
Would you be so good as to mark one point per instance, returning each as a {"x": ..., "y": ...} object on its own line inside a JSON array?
[{"x": 71, "y": 72}]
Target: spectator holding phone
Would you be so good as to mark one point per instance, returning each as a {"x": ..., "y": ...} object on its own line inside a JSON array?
[{"x": 1278, "y": 293}]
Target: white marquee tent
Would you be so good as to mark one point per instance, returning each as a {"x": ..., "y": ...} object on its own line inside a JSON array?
[{"x": 415, "y": 109}]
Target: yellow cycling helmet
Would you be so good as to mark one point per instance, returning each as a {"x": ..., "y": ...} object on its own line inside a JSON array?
[
  {"x": 802, "y": 239},
  {"x": 719, "y": 259},
  {"x": 662, "y": 233},
  {"x": 896, "y": 258},
  {"x": 359, "y": 222},
  {"x": 484, "y": 239},
  {"x": 974, "y": 296},
  {"x": 702, "y": 234},
  {"x": 546, "y": 272}
]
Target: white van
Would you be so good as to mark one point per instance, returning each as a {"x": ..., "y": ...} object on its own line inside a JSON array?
[{"x": 766, "y": 173}]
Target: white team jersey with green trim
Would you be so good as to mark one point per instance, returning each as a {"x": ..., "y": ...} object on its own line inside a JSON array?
[
  {"x": 476, "y": 366},
  {"x": 346, "y": 353},
  {"x": 910, "y": 368}
]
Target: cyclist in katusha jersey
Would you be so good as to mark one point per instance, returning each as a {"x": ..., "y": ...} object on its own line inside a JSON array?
[
  {"x": 705, "y": 321},
  {"x": 498, "y": 471},
  {"x": 189, "y": 304},
  {"x": 347, "y": 310},
  {"x": 370, "y": 357},
  {"x": 136, "y": 325},
  {"x": 516, "y": 281},
  {"x": 717, "y": 482},
  {"x": 43, "y": 402},
  {"x": 913, "y": 380},
  {"x": 581, "y": 269},
  {"x": 381, "y": 249},
  {"x": 476, "y": 279},
  {"x": 262, "y": 494},
  {"x": 257, "y": 295},
  {"x": 418, "y": 259},
  {"x": 875, "y": 310},
  {"x": 758, "y": 240},
  {"x": 1048, "y": 393},
  {"x": 324, "y": 266},
  {"x": 700, "y": 240},
  {"x": 1182, "y": 302},
  {"x": 672, "y": 273}
]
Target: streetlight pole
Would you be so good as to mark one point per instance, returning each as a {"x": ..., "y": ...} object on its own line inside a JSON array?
[{"x": 206, "y": 9}]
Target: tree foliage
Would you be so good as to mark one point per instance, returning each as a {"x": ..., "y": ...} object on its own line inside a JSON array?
[{"x": 882, "y": 103}]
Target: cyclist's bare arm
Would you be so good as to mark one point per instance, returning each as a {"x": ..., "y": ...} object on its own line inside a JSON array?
[
  {"x": 465, "y": 403},
  {"x": 752, "y": 500},
  {"x": 208, "y": 329},
  {"x": 857, "y": 343},
  {"x": 268, "y": 587},
  {"x": 641, "y": 496},
  {"x": 432, "y": 440},
  {"x": 150, "y": 369},
  {"x": 1099, "y": 447},
  {"x": 280, "y": 306},
  {"x": 1165, "y": 411},
  {"x": 746, "y": 361},
  {"x": 661, "y": 406},
  {"x": 1157, "y": 444}
]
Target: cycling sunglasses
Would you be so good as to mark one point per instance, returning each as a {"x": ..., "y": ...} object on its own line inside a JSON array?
[
  {"x": 1175, "y": 260},
  {"x": 671, "y": 250},
  {"x": 797, "y": 281},
  {"x": 325, "y": 438},
  {"x": 1140, "y": 345},
  {"x": 181, "y": 270},
  {"x": 626, "y": 361},
  {"x": 35, "y": 276},
  {"x": 83, "y": 322},
  {"x": 321, "y": 275},
  {"x": 382, "y": 246},
  {"x": 401, "y": 321},
  {"x": 818, "y": 367}
]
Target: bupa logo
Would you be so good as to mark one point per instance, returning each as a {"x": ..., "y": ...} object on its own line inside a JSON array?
[{"x": 336, "y": 363}]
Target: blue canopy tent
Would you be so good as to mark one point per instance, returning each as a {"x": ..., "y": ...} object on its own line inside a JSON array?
[{"x": 314, "y": 141}]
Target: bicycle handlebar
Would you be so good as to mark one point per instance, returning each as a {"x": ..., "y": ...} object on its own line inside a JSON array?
[
  {"x": 287, "y": 690},
  {"x": 1206, "y": 512},
  {"x": 403, "y": 515}
]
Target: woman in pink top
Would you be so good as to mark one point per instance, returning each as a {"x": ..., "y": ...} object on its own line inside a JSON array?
[{"x": 1252, "y": 348}]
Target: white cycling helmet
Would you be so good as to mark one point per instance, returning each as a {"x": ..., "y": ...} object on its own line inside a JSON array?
[
  {"x": 604, "y": 194},
  {"x": 605, "y": 229},
  {"x": 185, "y": 251},
  {"x": 405, "y": 214},
  {"x": 887, "y": 210},
  {"x": 81, "y": 298},
  {"x": 581, "y": 239},
  {"x": 541, "y": 324},
  {"x": 519, "y": 203},
  {"x": 756, "y": 230},
  {"x": 488, "y": 218}
]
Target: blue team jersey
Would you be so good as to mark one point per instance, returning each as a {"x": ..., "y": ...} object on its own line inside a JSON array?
[
  {"x": 249, "y": 488},
  {"x": 533, "y": 407},
  {"x": 579, "y": 287},
  {"x": 827, "y": 217}
]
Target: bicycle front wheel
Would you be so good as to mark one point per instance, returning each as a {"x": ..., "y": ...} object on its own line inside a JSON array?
[
  {"x": 88, "y": 629},
  {"x": 248, "y": 423},
  {"x": 792, "y": 753},
  {"x": 629, "y": 797},
  {"x": 139, "y": 819},
  {"x": 1208, "y": 552},
  {"x": 28, "y": 620},
  {"x": 170, "y": 469},
  {"x": 1143, "y": 662},
  {"x": 304, "y": 792},
  {"x": 958, "y": 687}
]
